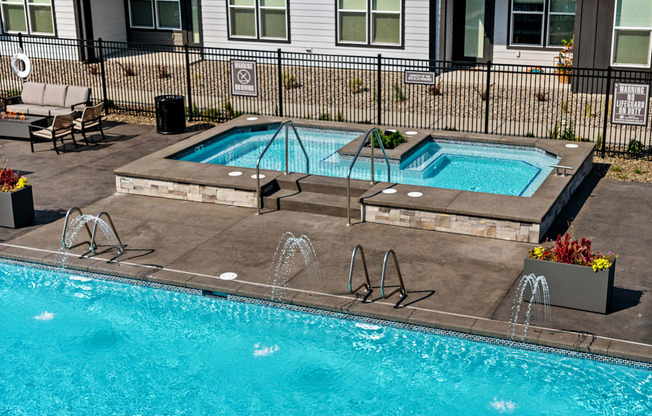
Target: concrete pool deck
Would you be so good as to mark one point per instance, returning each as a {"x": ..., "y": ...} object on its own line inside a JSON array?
[{"x": 454, "y": 281}]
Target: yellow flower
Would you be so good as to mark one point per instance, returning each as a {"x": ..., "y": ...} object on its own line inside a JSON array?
[
  {"x": 22, "y": 182},
  {"x": 599, "y": 264},
  {"x": 538, "y": 252}
]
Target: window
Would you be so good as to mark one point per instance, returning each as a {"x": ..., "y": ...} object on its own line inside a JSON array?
[
  {"x": 155, "y": 14},
  {"x": 632, "y": 29},
  {"x": 542, "y": 22},
  {"x": 28, "y": 16},
  {"x": 369, "y": 22},
  {"x": 258, "y": 19}
]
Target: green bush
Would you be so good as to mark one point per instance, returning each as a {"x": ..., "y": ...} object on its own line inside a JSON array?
[
  {"x": 325, "y": 117},
  {"x": 289, "y": 81},
  {"x": 355, "y": 85},
  {"x": 390, "y": 141},
  {"x": 635, "y": 147}
]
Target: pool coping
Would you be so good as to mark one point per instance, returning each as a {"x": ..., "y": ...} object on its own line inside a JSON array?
[
  {"x": 159, "y": 175},
  {"x": 589, "y": 346}
]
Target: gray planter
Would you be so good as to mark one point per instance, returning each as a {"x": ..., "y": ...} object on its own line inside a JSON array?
[
  {"x": 573, "y": 286},
  {"x": 16, "y": 208}
]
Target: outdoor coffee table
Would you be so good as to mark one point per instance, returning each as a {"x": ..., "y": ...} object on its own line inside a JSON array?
[{"x": 18, "y": 126}]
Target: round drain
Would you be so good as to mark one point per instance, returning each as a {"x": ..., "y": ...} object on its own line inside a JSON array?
[
  {"x": 411, "y": 133},
  {"x": 235, "y": 173},
  {"x": 228, "y": 276},
  {"x": 261, "y": 176},
  {"x": 572, "y": 146},
  {"x": 389, "y": 191},
  {"x": 415, "y": 194},
  {"x": 252, "y": 118}
]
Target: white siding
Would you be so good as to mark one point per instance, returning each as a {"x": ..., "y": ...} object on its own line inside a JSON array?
[
  {"x": 109, "y": 20},
  {"x": 65, "y": 20},
  {"x": 312, "y": 26},
  {"x": 522, "y": 56}
]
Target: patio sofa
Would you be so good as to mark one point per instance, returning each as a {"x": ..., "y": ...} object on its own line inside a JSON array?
[{"x": 48, "y": 100}]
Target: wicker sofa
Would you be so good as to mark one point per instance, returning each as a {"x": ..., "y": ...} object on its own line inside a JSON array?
[{"x": 48, "y": 100}]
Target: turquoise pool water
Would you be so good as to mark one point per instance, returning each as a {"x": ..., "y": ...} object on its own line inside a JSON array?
[
  {"x": 76, "y": 346},
  {"x": 438, "y": 163}
]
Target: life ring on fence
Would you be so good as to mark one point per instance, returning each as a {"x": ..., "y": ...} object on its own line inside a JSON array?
[{"x": 26, "y": 63}]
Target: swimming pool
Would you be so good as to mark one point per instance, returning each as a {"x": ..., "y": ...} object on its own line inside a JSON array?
[
  {"x": 77, "y": 346},
  {"x": 491, "y": 168}
]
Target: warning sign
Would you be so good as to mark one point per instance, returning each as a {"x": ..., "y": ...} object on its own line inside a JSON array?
[
  {"x": 244, "y": 78},
  {"x": 630, "y": 104},
  {"x": 419, "y": 77}
]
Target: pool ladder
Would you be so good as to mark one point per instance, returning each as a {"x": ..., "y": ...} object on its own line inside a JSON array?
[
  {"x": 93, "y": 234},
  {"x": 366, "y": 284},
  {"x": 284, "y": 125}
]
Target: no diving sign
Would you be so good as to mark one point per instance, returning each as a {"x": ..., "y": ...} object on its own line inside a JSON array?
[
  {"x": 244, "y": 78},
  {"x": 630, "y": 104}
]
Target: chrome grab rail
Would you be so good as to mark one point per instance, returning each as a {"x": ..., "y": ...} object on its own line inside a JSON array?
[
  {"x": 557, "y": 167},
  {"x": 366, "y": 284},
  {"x": 355, "y": 159},
  {"x": 115, "y": 231},
  {"x": 401, "y": 287},
  {"x": 65, "y": 229},
  {"x": 285, "y": 124}
]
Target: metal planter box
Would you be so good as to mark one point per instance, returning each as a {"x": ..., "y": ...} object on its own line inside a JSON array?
[
  {"x": 16, "y": 208},
  {"x": 573, "y": 286}
]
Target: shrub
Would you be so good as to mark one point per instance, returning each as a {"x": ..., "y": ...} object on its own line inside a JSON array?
[
  {"x": 289, "y": 81},
  {"x": 529, "y": 134},
  {"x": 390, "y": 141},
  {"x": 637, "y": 170},
  {"x": 541, "y": 96},
  {"x": 340, "y": 116},
  {"x": 162, "y": 71},
  {"x": 484, "y": 94},
  {"x": 447, "y": 128},
  {"x": 634, "y": 147},
  {"x": 127, "y": 69},
  {"x": 325, "y": 117},
  {"x": 356, "y": 86},
  {"x": 397, "y": 92},
  {"x": 93, "y": 69},
  {"x": 565, "y": 132},
  {"x": 434, "y": 89},
  {"x": 615, "y": 168},
  {"x": 229, "y": 111}
]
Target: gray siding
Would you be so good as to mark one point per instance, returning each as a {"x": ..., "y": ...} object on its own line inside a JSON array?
[
  {"x": 65, "y": 21},
  {"x": 109, "y": 20},
  {"x": 312, "y": 26}
]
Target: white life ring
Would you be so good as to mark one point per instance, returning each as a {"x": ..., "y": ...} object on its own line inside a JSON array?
[{"x": 26, "y": 62}]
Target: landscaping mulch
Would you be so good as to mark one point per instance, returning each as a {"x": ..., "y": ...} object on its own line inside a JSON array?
[{"x": 626, "y": 169}]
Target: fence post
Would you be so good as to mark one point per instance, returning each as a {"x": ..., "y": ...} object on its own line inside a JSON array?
[
  {"x": 20, "y": 41},
  {"x": 103, "y": 73},
  {"x": 606, "y": 112},
  {"x": 488, "y": 96},
  {"x": 379, "y": 90},
  {"x": 279, "y": 74},
  {"x": 188, "y": 83}
]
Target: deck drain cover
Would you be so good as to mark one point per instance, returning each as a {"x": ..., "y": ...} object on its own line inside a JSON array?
[
  {"x": 228, "y": 276},
  {"x": 415, "y": 194},
  {"x": 235, "y": 173},
  {"x": 261, "y": 176},
  {"x": 572, "y": 146},
  {"x": 389, "y": 191},
  {"x": 252, "y": 118},
  {"x": 411, "y": 133}
]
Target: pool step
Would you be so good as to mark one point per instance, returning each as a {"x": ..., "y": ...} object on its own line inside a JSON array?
[
  {"x": 321, "y": 184},
  {"x": 312, "y": 202}
]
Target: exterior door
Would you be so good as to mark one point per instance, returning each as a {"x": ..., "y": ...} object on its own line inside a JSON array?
[
  {"x": 192, "y": 27},
  {"x": 472, "y": 30}
]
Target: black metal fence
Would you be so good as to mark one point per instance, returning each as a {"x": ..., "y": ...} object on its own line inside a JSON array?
[{"x": 487, "y": 98}]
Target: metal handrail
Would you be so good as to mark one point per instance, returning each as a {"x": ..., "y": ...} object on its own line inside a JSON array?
[
  {"x": 115, "y": 231},
  {"x": 65, "y": 229},
  {"x": 285, "y": 124},
  {"x": 557, "y": 167},
  {"x": 401, "y": 287},
  {"x": 355, "y": 159},
  {"x": 367, "y": 284}
]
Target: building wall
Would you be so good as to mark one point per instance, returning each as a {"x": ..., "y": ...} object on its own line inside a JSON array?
[
  {"x": 109, "y": 20},
  {"x": 502, "y": 54},
  {"x": 64, "y": 19},
  {"x": 312, "y": 26}
]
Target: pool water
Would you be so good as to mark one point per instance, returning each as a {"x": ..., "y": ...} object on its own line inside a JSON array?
[
  {"x": 448, "y": 164},
  {"x": 72, "y": 345}
]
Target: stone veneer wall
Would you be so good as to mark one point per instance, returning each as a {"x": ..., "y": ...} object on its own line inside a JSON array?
[
  {"x": 453, "y": 223},
  {"x": 186, "y": 192}
]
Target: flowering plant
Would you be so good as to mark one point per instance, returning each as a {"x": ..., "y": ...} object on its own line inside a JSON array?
[
  {"x": 565, "y": 250},
  {"x": 11, "y": 181},
  {"x": 565, "y": 57}
]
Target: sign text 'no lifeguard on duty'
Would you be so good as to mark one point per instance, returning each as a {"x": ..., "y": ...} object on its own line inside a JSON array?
[
  {"x": 630, "y": 104},
  {"x": 244, "y": 78}
]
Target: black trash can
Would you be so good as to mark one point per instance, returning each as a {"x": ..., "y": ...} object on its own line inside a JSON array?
[{"x": 170, "y": 114}]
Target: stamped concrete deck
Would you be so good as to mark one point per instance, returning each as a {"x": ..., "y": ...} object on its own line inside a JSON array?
[{"x": 454, "y": 282}]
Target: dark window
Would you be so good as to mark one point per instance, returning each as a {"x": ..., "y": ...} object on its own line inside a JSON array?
[{"x": 542, "y": 22}]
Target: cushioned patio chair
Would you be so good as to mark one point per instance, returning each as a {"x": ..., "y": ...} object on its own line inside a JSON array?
[
  {"x": 62, "y": 126},
  {"x": 91, "y": 119}
]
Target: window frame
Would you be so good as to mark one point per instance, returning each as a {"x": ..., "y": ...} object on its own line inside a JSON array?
[
  {"x": 258, "y": 23},
  {"x": 155, "y": 20},
  {"x": 545, "y": 27},
  {"x": 369, "y": 14},
  {"x": 28, "y": 21},
  {"x": 631, "y": 29}
]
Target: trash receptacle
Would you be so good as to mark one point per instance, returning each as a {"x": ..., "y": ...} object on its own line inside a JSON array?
[{"x": 170, "y": 114}]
